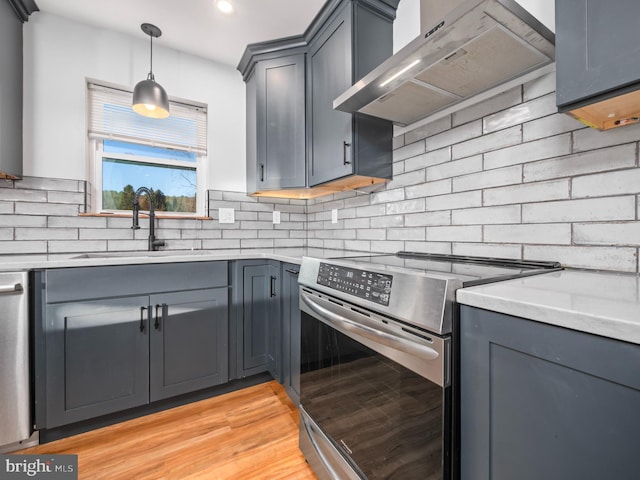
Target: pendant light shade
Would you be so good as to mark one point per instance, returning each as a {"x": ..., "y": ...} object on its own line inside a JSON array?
[{"x": 149, "y": 98}]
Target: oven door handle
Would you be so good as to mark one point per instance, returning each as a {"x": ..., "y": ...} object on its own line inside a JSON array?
[{"x": 372, "y": 334}]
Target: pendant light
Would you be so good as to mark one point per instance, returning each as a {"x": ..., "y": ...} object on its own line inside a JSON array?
[{"x": 149, "y": 98}]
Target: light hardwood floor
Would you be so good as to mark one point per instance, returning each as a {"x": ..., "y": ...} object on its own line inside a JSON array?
[{"x": 250, "y": 434}]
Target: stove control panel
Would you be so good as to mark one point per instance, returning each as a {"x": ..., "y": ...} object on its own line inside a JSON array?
[{"x": 372, "y": 286}]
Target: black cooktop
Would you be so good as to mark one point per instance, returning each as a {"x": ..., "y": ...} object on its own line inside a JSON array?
[{"x": 470, "y": 270}]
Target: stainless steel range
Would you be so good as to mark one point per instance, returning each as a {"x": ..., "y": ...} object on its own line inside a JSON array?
[{"x": 378, "y": 361}]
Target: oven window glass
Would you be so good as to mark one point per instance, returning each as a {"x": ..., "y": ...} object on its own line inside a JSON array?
[{"x": 385, "y": 419}]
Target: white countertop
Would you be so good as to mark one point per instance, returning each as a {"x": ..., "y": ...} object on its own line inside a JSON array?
[
  {"x": 602, "y": 303},
  {"x": 10, "y": 263}
]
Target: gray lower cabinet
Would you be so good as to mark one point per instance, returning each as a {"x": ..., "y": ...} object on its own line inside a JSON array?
[
  {"x": 188, "y": 337},
  {"x": 597, "y": 52},
  {"x": 291, "y": 331},
  {"x": 97, "y": 359},
  {"x": 96, "y": 356},
  {"x": 543, "y": 402},
  {"x": 256, "y": 298}
]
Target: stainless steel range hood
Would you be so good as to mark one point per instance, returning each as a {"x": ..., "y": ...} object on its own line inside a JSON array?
[{"x": 478, "y": 46}]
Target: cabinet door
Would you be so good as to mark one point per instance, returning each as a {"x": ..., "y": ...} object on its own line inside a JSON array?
[
  {"x": 597, "y": 49},
  {"x": 188, "y": 341},
  {"x": 329, "y": 131},
  {"x": 544, "y": 402},
  {"x": 257, "y": 322},
  {"x": 291, "y": 331},
  {"x": 281, "y": 123},
  {"x": 97, "y": 358}
]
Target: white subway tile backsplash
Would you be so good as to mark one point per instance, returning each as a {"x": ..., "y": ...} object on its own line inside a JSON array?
[
  {"x": 497, "y": 250},
  {"x": 520, "y": 114},
  {"x": 487, "y": 215},
  {"x": 427, "y": 159},
  {"x": 45, "y": 209},
  {"x": 593, "y": 161},
  {"x": 22, "y": 221},
  {"x": 48, "y": 184},
  {"x": 397, "y": 142},
  {"x": 77, "y": 222},
  {"x": 587, "y": 210},
  {"x": 100, "y": 233},
  {"x": 66, "y": 197},
  {"x": 489, "y": 178},
  {"x": 13, "y": 247},
  {"x": 409, "y": 150},
  {"x": 404, "y": 179},
  {"x": 358, "y": 245},
  {"x": 601, "y": 258},
  {"x": 6, "y": 207},
  {"x": 371, "y": 210},
  {"x": 529, "y": 152},
  {"x": 627, "y": 233},
  {"x": 525, "y": 193},
  {"x": 540, "y": 86},
  {"x": 429, "y": 189},
  {"x": 428, "y": 247},
  {"x": 442, "y": 217},
  {"x": 386, "y": 221},
  {"x": 387, "y": 247},
  {"x": 412, "y": 234},
  {"x": 590, "y": 139},
  {"x": 550, "y": 234},
  {"x": 256, "y": 243},
  {"x": 371, "y": 234},
  {"x": 20, "y": 195},
  {"x": 79, "y": 246},
  {"x": 455, "y": 200},
  {"x": 200, "y": 234},
  {"x": 6, "y": 233},
  {"x": 499, "y": 102},
  {"x": 455, "y": 168},
  {"x": 549, "y": 126},
  {"x": 386, "y": 196},
  {"x": 428, "y": 130},
  {"x": 604, "y": 184},
  {"x": 486, "y": 143},
  {"x": 455, "y": 234},
  {"x": 407, "y": 206},
  {"x": 454, "y": 136}
]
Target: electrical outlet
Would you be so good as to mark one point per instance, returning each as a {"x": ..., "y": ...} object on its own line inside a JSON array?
[
  {"x": 334, "y": 215},
  {"x": 227, "y": 215},
  {"x": 276, "y": 217}
]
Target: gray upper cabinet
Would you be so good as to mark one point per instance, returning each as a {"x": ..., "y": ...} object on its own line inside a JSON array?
[
  {"x": 544, "y": 402},
  {"x": 280, "y": 123},
  {"x": 355, "y": 40},
  {"x": 330, "y": 132},
  {"x": 12, "y": 14},
  {"x": 295, "y": 139},
  {"x": 597, "y": 53}
]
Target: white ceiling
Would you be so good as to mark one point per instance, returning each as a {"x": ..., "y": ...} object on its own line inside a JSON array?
[{"x": 195, "y": 26}]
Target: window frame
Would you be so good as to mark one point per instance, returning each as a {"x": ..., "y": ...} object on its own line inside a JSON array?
[{"x": 97, "y": 154}]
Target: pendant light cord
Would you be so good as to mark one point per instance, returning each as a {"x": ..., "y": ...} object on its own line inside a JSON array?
[{"x": 151, "y": 76}]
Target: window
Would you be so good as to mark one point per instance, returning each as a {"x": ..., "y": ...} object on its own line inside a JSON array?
[{"x": 129, "y": 151}]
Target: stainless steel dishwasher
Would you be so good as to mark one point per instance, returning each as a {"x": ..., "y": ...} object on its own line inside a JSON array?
[{"x": 15, "y": 412}]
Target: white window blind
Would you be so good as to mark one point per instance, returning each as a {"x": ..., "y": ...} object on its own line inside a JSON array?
[{"x": 111, "y": 117}]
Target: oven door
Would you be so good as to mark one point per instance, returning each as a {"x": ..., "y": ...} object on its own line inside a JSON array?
[{"x": 374, "y": 394}]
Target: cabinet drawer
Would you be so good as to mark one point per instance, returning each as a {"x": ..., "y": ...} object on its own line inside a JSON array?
[{"x": 71, "y": 284}]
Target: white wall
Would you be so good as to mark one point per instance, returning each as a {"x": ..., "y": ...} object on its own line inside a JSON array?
[
  {"x": 543, "y": 10},
  {"x": 406, "y": 26},
  {"x": 60, "y": 54}
]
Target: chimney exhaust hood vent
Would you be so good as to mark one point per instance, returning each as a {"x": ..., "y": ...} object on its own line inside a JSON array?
[{"x": 475, "y": 48}]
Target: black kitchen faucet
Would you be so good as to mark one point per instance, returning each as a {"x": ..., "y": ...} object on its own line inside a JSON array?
[{"x": 153, "y": 242}]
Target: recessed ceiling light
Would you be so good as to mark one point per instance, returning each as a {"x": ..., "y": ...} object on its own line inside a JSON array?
[{"x": 225, "y": 6}]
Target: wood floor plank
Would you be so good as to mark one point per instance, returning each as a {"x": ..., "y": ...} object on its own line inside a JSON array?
[{"x": 251, "y": 434}]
